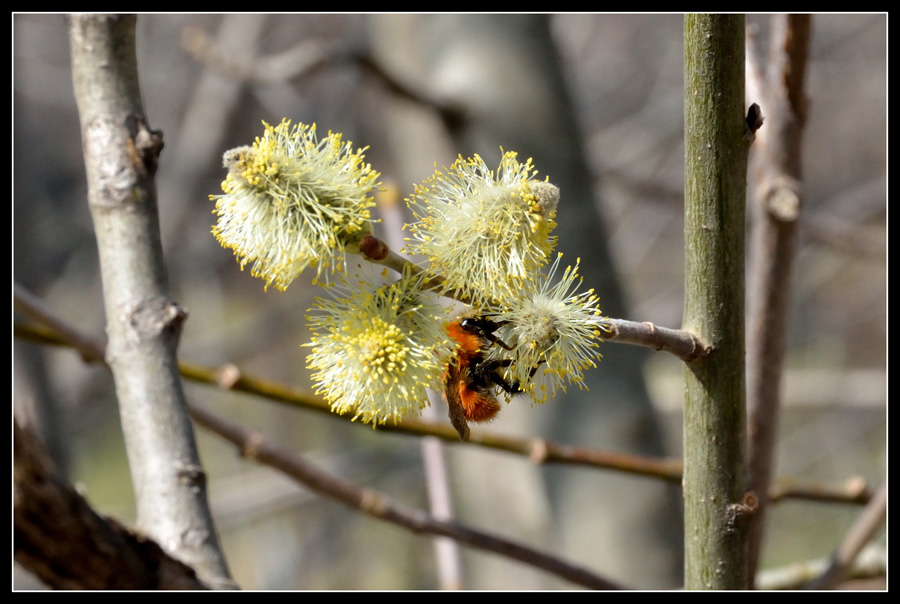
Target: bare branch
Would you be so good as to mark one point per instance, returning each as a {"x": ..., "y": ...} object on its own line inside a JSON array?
[
  {"x": 870, "y": 564},
  {"x": 29, "y": 305},
  {"x": 862, "y": 531},
  {"x": 716, "y": 508},
  {"x": 229, "y": 377},
  {"x": 305, "y": 59},
  {"x": 854, "y": 489},
  {"x": 143, "y": 323},
  {"x": 779, "y": 196},
  {"x": 253, "y": 445},
  {"x": 683, "y": 344}
]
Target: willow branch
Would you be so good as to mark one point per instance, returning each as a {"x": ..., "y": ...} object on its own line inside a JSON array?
[
  {"x": 306, "y": 59},
  {"x": 870, "y": 564},
  {"x": 682, "y": 344},
  {"x": 537, "y": 450},
  {"x": 143, "y": 323},
  {"x": 775, "y": 211},
  {"x": 862, "y": 531},
  {"x": 716, "y": 501},
  {"x": 372, "y": 503},
  {"x": 254, "y": 446}
]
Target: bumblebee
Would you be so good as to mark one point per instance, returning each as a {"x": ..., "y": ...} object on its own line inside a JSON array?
[{"x": 471, "y": 378}]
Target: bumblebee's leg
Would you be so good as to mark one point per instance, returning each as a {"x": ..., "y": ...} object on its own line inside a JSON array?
[
  {"x": 495, "y": 340},
  {"x": 515, "y": 387},
  {"x": 493, "y": 376}
]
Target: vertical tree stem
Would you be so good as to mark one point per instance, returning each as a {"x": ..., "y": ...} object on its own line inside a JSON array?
[
  {"x": 717, "y": 509},
  {"x": 776, "y": 211},
  {"x": 143, "y": 324}
]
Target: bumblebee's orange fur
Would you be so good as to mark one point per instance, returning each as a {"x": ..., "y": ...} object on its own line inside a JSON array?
[{"x": 477, "y": 375}]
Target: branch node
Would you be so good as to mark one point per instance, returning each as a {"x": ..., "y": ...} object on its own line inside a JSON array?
[
  {"x": 754, "y": 121},
  {"x": 372, "y": 503},
  {"x": 250, "y": 447},
  {"x": 539, "y": 451},
  {"x": 741, "y": 512},
  {"x": 701, "y": 349},
  {"x": 144, "y": 145},
  {"x": 782, "y": 199},
  {"x": 191, "y": 474},
  {"x": 227, "y": 376},
  {"x": 856, "y": 486},
  {"x": 373, "y": 248}
]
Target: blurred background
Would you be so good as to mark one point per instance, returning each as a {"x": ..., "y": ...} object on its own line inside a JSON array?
[{"x": 597, "y": 102}]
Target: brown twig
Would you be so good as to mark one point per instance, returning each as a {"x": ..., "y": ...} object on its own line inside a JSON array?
[
  {"x": 305, "y": 59},
  {"x": 253, "y": 445},
  {"x": 683, "y": 344},
  {"x": 870, "y": 565},
  {"x": 777, "y": 160},
  {"x": 852, "y": 490},
  {"x": 537, "y": 450},
  {"x": 862, "y": 531}
]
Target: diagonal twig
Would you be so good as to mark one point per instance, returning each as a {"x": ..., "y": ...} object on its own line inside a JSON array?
[
  {"x": 253, "y": 445},
  {"x": 536, "y": 449}
]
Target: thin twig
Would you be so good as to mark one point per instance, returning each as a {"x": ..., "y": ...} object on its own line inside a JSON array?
[
  {"x": 862, "y": 531},
  {"x": 304, "y": 59},
  {"x": 779, "y": 199},
  {"x": 852, "y": 490},
  {"x": 253, "y": 445},
  {"x": 29, "y": 305},
  {"x": 870, "y": 564},
  {"x": 365, "y": 500},
  {"x": 537, "y": 450},
  {"x": 683, "y": 344}
]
